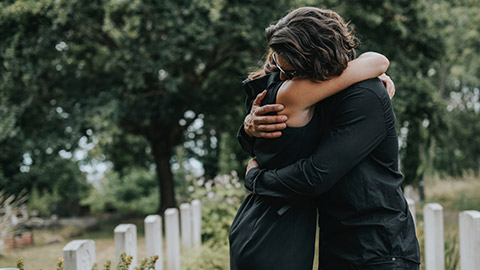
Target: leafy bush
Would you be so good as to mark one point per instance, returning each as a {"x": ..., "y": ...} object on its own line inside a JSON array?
[
  {"x": 452, "y": 256},
  {"x": 123, "y": 264},
  {"x": 44, "y": 202},
  {"x": 58, "y": 188},
  {"x": 221, "y": 197},
  {"x": 135, "y": 192},
  {"x": 208, "y": 256}
]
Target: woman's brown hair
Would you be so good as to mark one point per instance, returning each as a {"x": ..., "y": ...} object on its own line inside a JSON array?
[{"x": 316, "y": 42}]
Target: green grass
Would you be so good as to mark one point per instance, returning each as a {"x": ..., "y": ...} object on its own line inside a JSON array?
[
  {"x": 457, "y": 194},
  {"x": 44, "y": 256}
]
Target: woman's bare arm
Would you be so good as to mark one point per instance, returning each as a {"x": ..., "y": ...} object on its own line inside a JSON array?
[{"x": 299, "y": 95}]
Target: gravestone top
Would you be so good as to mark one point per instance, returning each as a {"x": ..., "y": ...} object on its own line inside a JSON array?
[
  {"x": 196, "y": 202},
  {"x": 171, "y": 211},
  {"x": 152, "y": 218},
  {"x": 75, "y": 244},
  {"x": 434, "y": 206},
  {"x": 472, "y": 213},
  {"x": 124, "y": 227},
  {"x": 184, "y": 206}
]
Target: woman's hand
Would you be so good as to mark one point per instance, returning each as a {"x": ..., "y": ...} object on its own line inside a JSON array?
[{"x": 387, "y": 81}]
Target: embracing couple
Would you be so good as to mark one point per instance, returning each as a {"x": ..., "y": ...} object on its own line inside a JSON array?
[{"x": 322, "y": 130}]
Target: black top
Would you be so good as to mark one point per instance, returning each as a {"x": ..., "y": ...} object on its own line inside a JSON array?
[
  {"x": 295, "y": 142},
  {"x": 364, "y": 217},
  {"x": 271, "y": 233}
]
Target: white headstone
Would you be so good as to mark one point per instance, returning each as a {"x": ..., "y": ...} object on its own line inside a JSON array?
[
  {"x": 186, "y": 225},
  {"x": 153, "y": 239},
  {"x": 196, "y": 222},
  {"x": 126, "y": 241},
  {"x": 469, "y": 223},
  {"x": 172, "y": 235},
  {"x": 411, "y": 207},
  {"x": 434, "y": 238},
  {"x": 79, "y": 255}
]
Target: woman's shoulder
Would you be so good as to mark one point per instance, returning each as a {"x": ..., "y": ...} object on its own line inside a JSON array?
[{"x": 292, "y": 92}]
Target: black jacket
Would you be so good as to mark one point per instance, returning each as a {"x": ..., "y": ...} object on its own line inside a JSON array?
[{"x": 364, "y": 217}]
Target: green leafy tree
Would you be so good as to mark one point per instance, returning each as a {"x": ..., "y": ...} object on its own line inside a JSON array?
[
  {"x": 455, "y": 149},
  {"x": 141, "y": 78},
  {"x": 399, "y": 30},
  {"x": 35, "y": 127},
  {"x": 139, "y": 64}
]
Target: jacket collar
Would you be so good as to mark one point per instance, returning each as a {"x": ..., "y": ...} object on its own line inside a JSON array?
[{"x": 254, "y": 87}]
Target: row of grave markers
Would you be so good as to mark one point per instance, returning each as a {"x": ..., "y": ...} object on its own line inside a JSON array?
[
  {"x": 80, "y": 254},
  {"x": 469, "y": 227}
]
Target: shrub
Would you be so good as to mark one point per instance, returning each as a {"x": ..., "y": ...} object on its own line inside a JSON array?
[
  {"x": 209, "y": 256},
  {"x": 221, "y": 197},
  {"x": 123, "y": 264},
  {"x": 135, "y": 192},
  {"x": 452, "y": 256},
  {"x": 57, "y": 191}
]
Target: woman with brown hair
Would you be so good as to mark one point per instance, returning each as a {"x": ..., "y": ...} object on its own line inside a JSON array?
[{"x": 311, "y": 57}]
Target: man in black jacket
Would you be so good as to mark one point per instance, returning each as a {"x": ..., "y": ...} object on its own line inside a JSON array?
[{"x": 363, "y": 216}]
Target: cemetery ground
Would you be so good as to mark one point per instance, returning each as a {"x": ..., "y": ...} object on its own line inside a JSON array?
[
  {"x": 454, "y": 195},
  {"x": 44, "y": 254}
]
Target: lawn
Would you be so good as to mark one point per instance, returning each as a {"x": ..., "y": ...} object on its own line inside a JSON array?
[{"x": 44, "y": 255}]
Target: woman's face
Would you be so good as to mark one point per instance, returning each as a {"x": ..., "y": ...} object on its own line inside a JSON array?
[{"x": 285, "y": 68}]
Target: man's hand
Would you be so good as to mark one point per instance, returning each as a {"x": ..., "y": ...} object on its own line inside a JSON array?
[
  {"x": 387, "y": 81},
  {"x": 257, "y": 124},
  {"x": 252, "y": 163}
]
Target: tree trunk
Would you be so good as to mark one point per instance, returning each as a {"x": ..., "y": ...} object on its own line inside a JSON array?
[{"x": 162, "y": 152}]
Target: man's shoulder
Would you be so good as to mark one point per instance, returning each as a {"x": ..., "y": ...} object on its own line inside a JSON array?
[
  {"x": 374, "y": 86},
  {"x": 364, "y": 93}
]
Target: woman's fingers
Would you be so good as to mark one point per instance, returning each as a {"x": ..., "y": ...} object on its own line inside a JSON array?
[
  {"x": 390, "y": 88},
  {"x": 383, "y": 78},
  {"x": 389, "y": 85}
]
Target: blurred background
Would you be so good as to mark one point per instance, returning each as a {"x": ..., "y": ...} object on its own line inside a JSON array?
[{"x": 115, "y": 109}]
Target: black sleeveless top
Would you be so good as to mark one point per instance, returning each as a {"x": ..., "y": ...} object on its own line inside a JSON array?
[
  {"x": 267, "y": 232},
  {"x": 294, "y": 144}
]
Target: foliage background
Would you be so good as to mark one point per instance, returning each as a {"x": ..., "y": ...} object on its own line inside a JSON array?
[{"x": 124, "y": 106}]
